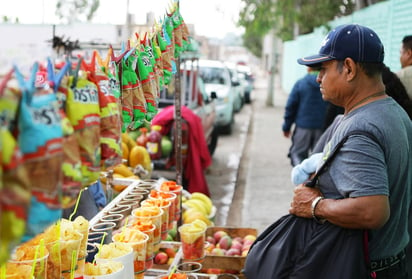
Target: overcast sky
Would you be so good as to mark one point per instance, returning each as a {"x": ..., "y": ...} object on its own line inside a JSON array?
[{"x": 210, "y": 17}]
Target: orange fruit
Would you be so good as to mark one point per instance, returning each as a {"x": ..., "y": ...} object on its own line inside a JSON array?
[{"x": 137, "y": 155}]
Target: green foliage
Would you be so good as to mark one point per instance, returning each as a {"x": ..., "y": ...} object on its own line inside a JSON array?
[
  {"x": 76, "y": 10},
  {"x": 287, "y": 17}
]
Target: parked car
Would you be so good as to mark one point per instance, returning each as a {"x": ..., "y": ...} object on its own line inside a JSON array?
[
  {"x": 216, "y": 77},
  {"x": 195, "y": 97},
  {"x": 247, "y": 79},
  {"x": 239, "y": 88}
]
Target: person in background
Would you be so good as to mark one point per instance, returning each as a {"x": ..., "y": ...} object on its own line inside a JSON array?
[
  {"x": 92, "y": 200},
  {"x": 306, "y": 109},
  {"x": 405, "y": 74},
  {"x": 369, "y": 184}
]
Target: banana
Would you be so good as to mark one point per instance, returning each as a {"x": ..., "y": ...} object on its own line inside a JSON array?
[
  {"x": 197, "y": 204},
  {"x": 123, "y": 170},
  {"x": 205, "y": 199}
]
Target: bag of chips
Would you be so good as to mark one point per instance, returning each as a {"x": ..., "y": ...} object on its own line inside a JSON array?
[
  {"x": 71, "y": 167},
  {"x": 145, "y": 71},
  {"x": 14, "y": 182},
  {"x": 158, "y": 68},
  {"x": 139, "y": 102},
  {"x": 165, "y": 48},
  {"x": 40, "y": 138},
  {"x": 110, "y": 120},
  {"x": 83, "y": 111}
]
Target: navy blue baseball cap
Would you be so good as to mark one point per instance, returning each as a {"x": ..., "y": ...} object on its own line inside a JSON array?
[{"x": 355, "y": 41}]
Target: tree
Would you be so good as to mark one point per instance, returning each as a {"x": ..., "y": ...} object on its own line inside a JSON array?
[
  {"x": 257, "y": 19},
  {"x": 76, "y": 10},
  {"x": 291, "y": 18}
]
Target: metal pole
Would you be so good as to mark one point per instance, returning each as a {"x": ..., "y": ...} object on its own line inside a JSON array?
[{"x": 271, "y": 92}]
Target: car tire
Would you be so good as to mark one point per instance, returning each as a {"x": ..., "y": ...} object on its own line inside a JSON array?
[
  {"x": 228, "y": 128},
  {"x": 247, "y": 97},
  {"x": 213, "y": 141}
]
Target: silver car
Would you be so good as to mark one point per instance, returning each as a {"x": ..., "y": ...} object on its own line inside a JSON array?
[{"x": 216, "y": 77}]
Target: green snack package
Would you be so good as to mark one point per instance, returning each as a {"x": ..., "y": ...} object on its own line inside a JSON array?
[
  {"x": 145, "y": 72},
  {"x": 139, "y": 102},
  {"x": 158, "y": 63}
]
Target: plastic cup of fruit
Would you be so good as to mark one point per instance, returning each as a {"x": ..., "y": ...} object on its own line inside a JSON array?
[
  {"x": 193, "y": 242},
  {"x": 139, "y": 244}
]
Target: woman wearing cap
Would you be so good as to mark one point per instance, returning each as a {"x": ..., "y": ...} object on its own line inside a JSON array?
[{"x": 369, "y": 183}]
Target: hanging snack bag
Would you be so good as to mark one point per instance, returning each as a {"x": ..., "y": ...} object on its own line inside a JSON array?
[
  {"x": 166, "y": 56},
  {"x": 139, "y": 102},
  {"x": 83, "y": 110},
  {"x": 158, "y": 68},
  {"x": 144, "y": 69},
  {"x": 41, "y": 142},
  {"x": 177, "y": 32},
  {"x": 71, "y": 167},
  {"x": 149, "y": 50},
  {"x": 110, "y": 121},
  {"x": 14, "y": 182},
  {"x": 185, "y": 32}
]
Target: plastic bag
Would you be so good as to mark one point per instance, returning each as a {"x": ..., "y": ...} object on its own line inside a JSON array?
[
  {"x": 14, "y": 182},
  {"x": 41, "y": 142},
  {"x": 83, "y": 110}
]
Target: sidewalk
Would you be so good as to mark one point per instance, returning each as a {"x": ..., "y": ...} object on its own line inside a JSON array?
[{"x": 263, "y": 189}]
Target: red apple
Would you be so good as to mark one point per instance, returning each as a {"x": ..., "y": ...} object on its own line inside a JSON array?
[
  {"x": 225, "y": 242},
  {"x": 218, "y": 235},
  {"x": 210, "y": 239},
  {"x": 171, "y": 252},
  {"x": 238, "y": 238},
  {"x": 249, "y": 237},
  {"x": 218, "y": 252},
  {"x": 161, "y": 258},
  {"x": 233, "y": 252},
  {"x": 236, "y": 244}
]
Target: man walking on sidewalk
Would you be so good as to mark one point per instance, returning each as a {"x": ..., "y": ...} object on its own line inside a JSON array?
[{"x": 306, "y": 109}]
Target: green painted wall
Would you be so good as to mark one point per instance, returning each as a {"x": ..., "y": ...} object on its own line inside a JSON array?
[{"x": 391, "y": 20}]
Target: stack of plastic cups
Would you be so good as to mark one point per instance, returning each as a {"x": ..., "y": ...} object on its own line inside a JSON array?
[
  {"x": 171, "y": 186},
  {"x": 94, "y": 239},
  {"x": 135, "y": 200},
  {"x": 115, "y": 218},
  {"x": 172, "y": 198},
  {"x": 140, "y": 191},
  {"x": 139, "y": 244},
  {"x": 155, "y": 215},
  {"x": 104, "y": 227},
  {"x": 147, "y": 227}
]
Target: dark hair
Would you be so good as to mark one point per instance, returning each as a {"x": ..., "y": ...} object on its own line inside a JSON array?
[
  {"x": 407, "y": 42},
  {"x": 396, "y": 90},
  {"x": 370, "y": 69}
]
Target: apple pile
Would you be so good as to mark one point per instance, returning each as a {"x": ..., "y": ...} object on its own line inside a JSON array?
[
  {"x": 165, "y": 255},
  {"x": 222, "y": 244}
]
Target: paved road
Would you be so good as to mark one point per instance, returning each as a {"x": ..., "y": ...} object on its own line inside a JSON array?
[{"x": 254, "y": 188}]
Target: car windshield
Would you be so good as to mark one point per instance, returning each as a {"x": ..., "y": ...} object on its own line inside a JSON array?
[{"x": 213, "y": 75}]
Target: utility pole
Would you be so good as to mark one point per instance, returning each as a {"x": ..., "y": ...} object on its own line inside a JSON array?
[{"x": 271, "y": 92}]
